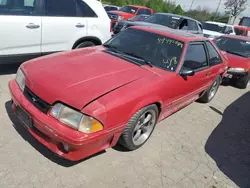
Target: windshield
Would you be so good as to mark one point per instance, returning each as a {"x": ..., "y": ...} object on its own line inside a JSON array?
[
  {"x": 234, "y": 46},
  {"x": 159, "y": 50},
  {"x": 129, "y": 9},
  {"x": 214, "y": 27},
  {"x": 165, "y": 20}
]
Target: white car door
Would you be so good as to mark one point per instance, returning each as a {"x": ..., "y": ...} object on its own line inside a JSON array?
[
  {"x": 62, "y": 25},
  {"x": 20, "y": 28}
]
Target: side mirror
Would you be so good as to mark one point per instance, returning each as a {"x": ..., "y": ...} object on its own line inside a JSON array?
[{"x": 186, "y": 72}]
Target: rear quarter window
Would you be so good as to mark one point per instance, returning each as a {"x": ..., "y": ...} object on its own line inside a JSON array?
[
  {"x": 214, "y": 57},
  {"x": 85, "y": 10}
]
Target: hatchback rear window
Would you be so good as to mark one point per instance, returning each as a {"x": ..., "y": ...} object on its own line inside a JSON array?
[{"x": 161, "y": 51}]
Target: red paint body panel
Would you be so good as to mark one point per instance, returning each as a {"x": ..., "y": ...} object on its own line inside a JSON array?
[
  {"x": 74, "y": 77},
  {"x": 107, "y": 88},
  {"x": 81, "y": 145},
  {"x": 128, "y": 15},
  {"x": 238, "y": 62}
]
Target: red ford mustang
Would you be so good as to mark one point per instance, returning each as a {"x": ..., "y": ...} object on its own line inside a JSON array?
[
  {"x": 80, "y": 102},
  {"x": 237, "y": 50}
]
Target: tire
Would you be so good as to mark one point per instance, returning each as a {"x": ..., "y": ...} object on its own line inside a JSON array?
[
  {"x": 85, "y": 44},
  {"x": 243, "y": 82},
  {"x": 210, "y": 93},
  {"x": 130, "y": 138}
]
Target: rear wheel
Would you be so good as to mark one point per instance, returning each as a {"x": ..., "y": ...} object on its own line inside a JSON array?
[
  {"x": 139, "y": 128},
  {"x": 210, "y": 93},
  {"x": 85, "y": 44},
  {"x": 243, "y": 82}
]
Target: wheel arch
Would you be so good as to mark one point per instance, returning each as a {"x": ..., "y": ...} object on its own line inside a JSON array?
[
  {"x": 93, "y": 39},
  {"x": 145, "y": 103}
]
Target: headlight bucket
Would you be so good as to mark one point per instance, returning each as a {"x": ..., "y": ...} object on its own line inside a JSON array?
[
  {"x": 20, "y": 79},
  {"x": 75, "y": 119}
]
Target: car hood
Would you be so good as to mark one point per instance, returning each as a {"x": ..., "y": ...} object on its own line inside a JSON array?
[
  {"x": 212, "y": 33},
  {"x": 120, "y": 13},
  {"x": 80, "y": 76},
  {"x": 235, "y": 61}
]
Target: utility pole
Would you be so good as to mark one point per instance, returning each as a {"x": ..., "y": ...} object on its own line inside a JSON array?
[
  {"x": 191, "y": 5},
  {"x": 217, "y": 10}
]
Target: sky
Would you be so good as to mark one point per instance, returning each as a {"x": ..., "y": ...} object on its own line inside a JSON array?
[{"x": 211, "y": 4}]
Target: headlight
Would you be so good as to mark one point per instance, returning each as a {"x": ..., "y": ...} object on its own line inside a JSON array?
[
  {"x": 20, "y": 79},
  {"x": 75, "y": 119},
  {"x": 240, "y": 70},
  {"x": 120, "y": 17}
]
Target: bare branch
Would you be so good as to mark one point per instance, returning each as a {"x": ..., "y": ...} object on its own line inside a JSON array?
[{"x": 235, "y": 7}]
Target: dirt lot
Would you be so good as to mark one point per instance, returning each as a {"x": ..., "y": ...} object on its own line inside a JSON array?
[{"x": 200, "y": 146}]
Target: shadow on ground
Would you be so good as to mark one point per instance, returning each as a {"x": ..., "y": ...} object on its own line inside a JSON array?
[
  {"x": 229, "y": 143},
  {"x": 9, "y": 69},
  {"x": 39, "y": 147}
]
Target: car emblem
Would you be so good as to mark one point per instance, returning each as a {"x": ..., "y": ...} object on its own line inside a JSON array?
[{"x": 34, "y": 100}]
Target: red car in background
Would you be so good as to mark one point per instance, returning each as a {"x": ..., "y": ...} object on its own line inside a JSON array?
[
  {"x": 80, "y": 102},
  {"x": 237, "y": 49},
  {"x": 127, "y": 12},
  {"x": 242, "y": 30}
]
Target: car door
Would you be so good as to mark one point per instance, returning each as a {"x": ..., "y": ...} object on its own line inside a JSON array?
[
  {"x": 196, "y": 59},
  {"x": 62, "y": 25},
  {"x": 20, "y": 29}
]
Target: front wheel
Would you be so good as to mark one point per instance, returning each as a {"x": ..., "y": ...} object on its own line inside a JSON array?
[
  {"x": 210, "y": 93},
  {"x": 243, "y": 82},
  {"x": 139, "y": 128}
]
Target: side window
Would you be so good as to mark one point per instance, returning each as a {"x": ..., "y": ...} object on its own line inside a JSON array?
[
  {"x": 147, "y": 12},
  {"x": 18, "y": 7},
  {"x": 195, "y": 57},
  {"x": 200, "y": 27},
  {"x": 214, "y": 57},
  {"x": 229, "y": 30},
  {"x": 141, "y": 11},
  {"x": 192, "y": 26},
  {"x": 85, "y": 10},
  {"x": 183, "y": 25},
  {"x": 60, "y": 8}
]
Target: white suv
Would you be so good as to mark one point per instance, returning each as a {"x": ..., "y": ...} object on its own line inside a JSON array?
[{"x": 31, "y": 28}]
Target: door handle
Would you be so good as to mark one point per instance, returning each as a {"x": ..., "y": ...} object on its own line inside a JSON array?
[
  {"x": 208, "y": 73},
  {"x": 79, "y": 25},
  {"x": 32, "y": 26}
]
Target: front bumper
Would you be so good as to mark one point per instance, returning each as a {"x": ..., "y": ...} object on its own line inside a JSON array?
[
  {"x": 235, "y": 75},
  {"x": 53, "y": 134}
]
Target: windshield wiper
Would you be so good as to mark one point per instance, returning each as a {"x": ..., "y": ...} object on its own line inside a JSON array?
[
  {"x": 235, "y": 53},
  {"x": 140, "y": 58},
  {"x": 133, "y": 55}
]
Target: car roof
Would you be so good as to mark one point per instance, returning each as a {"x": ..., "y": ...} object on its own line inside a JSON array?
[
  {"x": 218, "y": 23},
  {"x": 237, "y": 37},
  {"x": 173, "y": 33},
  {"x": 177, "y": 15},
  {"x": 137, "y": 6}
]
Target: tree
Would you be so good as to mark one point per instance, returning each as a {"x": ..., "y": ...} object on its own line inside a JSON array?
[
  {"x": 178, "y": 10},
  {"x": 235, "y": 7}
]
